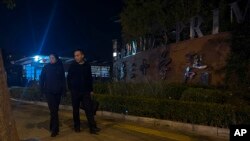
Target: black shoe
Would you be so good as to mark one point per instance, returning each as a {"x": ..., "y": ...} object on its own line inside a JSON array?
[
  {"x": 93, "y": 132},
  {"x": 96, "y": 129},
  {"x": 53, "y": 134},
  {"x": 77, "y": 130}
]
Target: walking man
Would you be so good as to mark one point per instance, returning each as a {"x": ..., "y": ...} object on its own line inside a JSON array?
[
  {"x": 53, "y": 85},
  {"x": 80, "y": 84}
]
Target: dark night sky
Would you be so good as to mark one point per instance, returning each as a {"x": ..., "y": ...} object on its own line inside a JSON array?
[{"x": 60, "y": 26}]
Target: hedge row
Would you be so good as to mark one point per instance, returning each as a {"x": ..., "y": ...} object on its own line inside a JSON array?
[
  {"x": 206, "y": 95},
  {"x": 212, "y": 114},
  {"x": 158, "y": 90},
  {"x": 34, "y": 94},
  {"x": 190, "y": 112},
  {"x": 166, "y": 91},
  {"x": 26, "y": 93}
]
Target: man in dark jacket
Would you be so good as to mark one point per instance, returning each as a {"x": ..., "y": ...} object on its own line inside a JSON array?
[
  {"x": 80, "y": 84},
  {"x": 53, "y": 85}
]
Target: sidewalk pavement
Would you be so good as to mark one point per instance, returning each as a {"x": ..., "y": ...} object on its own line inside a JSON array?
[{"x": 33, "y": 125}]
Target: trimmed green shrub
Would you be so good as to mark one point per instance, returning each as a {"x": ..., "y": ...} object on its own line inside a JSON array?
[
  {"x": 173, "y": 91},
  {"x": 184, "y": 111},
  {"x": 205, "y": 95},
  {"x": 26, "y": 93},
  {"x": 153, "y": 90},
  {"x": 242, "y": 113},
  {"x": 101, "y": 88},
  {"x": 192, "y": 108},
  {"x": 34, "y": 94}
]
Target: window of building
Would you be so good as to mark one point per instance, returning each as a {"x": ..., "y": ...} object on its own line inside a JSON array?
[
  {"x": 38, "y": 73},
  {"x": 100, "y": 71},
  {"x": 29, "y": 71}
]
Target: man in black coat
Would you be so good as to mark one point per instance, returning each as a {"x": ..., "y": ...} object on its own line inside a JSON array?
[
  {"x": 80, "y": 84},
  {"x": 53, "y": 85}
]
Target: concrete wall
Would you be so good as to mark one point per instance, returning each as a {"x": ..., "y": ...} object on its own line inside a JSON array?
[{"x": 168, "y": 63}]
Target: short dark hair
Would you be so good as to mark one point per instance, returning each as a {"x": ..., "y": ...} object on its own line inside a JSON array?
[
  {"x": 55, "y": 55},
  {"x": 80, "y": 50}
]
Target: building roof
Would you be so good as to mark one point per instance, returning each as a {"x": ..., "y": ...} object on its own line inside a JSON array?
[
  {"x": 39, "y": 59},
  {"x": 42, "y": 59}
]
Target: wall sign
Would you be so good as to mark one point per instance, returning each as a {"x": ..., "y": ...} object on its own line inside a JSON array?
[
  {"x": 144, "y": 66},
  {"x": 164, "y": 63}
]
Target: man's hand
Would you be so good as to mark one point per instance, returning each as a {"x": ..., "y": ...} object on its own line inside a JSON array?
[
  {"x": 42, "y": 96},
  {"x": 64, "y": 93},
  {"x": 92, "y": 94}
]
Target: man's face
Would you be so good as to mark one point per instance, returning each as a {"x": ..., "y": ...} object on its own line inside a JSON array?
[
  {"x": 79, "y": 56},
  {"x": 52, "y": 59}
]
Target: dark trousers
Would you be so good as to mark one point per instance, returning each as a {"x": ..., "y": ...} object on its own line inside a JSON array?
[
  {"x": 85, "y": 98},
  {"x": 53, "y": 100}
]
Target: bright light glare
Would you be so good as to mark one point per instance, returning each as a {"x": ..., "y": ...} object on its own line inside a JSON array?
[{"x": 37, "y": 58}]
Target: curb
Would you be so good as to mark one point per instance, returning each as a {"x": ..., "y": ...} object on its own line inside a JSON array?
[{"x": 194, "y": 128}]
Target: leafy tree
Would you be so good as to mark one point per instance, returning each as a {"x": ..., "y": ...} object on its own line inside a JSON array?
[
  {"x": 238, "y": 66},
  {"x": 9, "y": 3},
  {"x": 143, "y": 17}
]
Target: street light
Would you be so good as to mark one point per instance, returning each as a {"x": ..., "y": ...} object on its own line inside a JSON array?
[{"x": 115, "y": 49}]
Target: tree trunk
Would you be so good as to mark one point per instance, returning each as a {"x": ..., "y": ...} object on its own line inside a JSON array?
[{"x": 8, "y": 130}]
